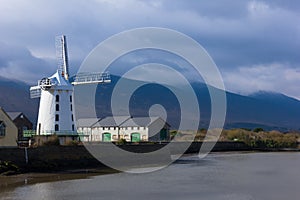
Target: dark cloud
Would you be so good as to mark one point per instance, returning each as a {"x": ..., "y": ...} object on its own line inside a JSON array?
[
  {"x": 18, "y": 63},
  {"x": 235, "y": 33}
]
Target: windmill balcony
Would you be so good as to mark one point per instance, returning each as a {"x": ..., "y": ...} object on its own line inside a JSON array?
[
  {"x": 31, "y": 133},
  {"x": 45, "y": 83},
  {"x": 62, "y": 132}
]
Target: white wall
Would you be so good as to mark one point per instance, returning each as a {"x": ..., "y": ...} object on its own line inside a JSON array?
[
  {"x": 47, "y": 111},
  {"x": 125, "y": 132},
  {"x": 11, "y": 132}
]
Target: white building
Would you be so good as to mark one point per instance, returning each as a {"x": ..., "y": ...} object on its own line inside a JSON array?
[
  {"x": 85, "y": 125},
  {"x": 145, "y": 129},
  {"x": 132, "y": 129},
  {"x": 56, "y": 107}
]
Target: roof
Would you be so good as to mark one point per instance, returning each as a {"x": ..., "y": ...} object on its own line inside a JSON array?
[
  {"x": 139, "y": 121},
  {"x": 5, "y": 113},
  {"x": 121, "y": 121},
  {"x": 8, "y": 117},
  {"x": 112, "y": 121},
  {"x": 59, "y": 80},
  {"x": 13, "y": 115},
  {"x": 87, "y": 122}
]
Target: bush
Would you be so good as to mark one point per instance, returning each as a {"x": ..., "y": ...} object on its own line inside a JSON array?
[
  {"x": 6, "y": 166},
  {"x": 52, "y": 141},
  {"x": 72, "y": 143},
  {"x": 121, "y": 141},
  {"x": 256, "y": 130}
]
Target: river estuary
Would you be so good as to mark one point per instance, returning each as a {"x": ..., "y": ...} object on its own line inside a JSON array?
[{"x": 219, "y": 176}]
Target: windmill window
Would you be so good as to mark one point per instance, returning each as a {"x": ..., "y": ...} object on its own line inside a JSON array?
[
  {"x": 71, "y": 107},
  {"x": 57, "y": 107},
  {"x": 70, "y": 98},
  {"x": 2, "y": 128},
  {"x": 56, "y": 117},
  {"x": 56, "y": 127},
  {"x": 72, "y": 118},
  {"x": 73, "y": 128},
  {"x": 57, "y": 98}
]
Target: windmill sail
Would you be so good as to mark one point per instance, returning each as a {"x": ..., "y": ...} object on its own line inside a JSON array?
[
  {"x": 35, "y": 92},
  {"x": 62, "y": 56},
  {"x": 91, "y": 78},
  {"x": 56, "y": 113},
  {"x": 63, "y": 70}
]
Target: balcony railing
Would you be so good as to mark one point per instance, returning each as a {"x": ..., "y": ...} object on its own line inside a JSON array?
[
  {"x": 30, "y": 133},
  {"x": 62, "y": 132}
]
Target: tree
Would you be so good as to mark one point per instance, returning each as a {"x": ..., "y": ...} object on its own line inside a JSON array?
[{"x": 258, "y": 130}]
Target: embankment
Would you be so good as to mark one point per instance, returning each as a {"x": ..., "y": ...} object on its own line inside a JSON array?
[{"x": 59, "y": 158}]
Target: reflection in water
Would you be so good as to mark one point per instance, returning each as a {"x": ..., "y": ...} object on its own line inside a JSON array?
[{"x": 217, "y": 177}]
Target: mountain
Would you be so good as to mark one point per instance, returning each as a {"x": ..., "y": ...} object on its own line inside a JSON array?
[
  {"x": 14, "y": 96},
  {"x": 263, "y": 109}
]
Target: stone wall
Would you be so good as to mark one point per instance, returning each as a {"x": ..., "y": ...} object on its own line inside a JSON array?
[{"x": 50, "y": 158}]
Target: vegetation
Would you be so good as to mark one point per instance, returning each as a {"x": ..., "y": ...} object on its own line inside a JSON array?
[
  {"x": 121, "y": 141},
  {"x": 73, "y": 143},
  {"x": 7, "y": 168},
  {"x": 262, "y": 139},
  {"x": 173, "y": 133},
  {"x": 256, "y": 138},
  {"x": 257, "y": 130},
  {"x": 52, "y": 141}
]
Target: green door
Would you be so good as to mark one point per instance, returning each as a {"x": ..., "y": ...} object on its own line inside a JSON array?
[
  {"x": 163, "y": 134},
  {"x": 106, "y": 137},
  {"x": 135, "y": 137}
]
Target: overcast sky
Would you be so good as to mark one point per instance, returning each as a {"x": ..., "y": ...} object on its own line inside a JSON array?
[{"x": 255, "y": 44}]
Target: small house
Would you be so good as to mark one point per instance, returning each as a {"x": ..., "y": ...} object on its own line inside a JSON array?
[
  {"x": 132, "y": 129},
  {"x": 22, "y": 123},
  {"x": 8, "y": 131}
]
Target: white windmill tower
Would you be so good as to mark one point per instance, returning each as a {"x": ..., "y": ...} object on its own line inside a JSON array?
[{"x": 56, "y": 111}]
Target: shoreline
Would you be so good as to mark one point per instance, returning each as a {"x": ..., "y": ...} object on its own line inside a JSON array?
[
  {"x": 60, "y": 159},
  {"x": 17, "y": 180},
  {"x": 9, "y": 182}
]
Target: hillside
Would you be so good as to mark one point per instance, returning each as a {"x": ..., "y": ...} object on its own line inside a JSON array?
[
  {"x": 263, "y": 109},
  {"x": 14, "y": 96}
]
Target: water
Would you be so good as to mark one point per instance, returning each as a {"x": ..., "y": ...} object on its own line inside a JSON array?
[{"x": 220, "y": 176}]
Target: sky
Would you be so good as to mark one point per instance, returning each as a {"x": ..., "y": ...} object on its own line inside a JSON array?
[{"x": 254, "y": 43}]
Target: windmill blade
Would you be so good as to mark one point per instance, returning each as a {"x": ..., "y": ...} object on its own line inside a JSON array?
[
  {"x": 62, "y": 56},
  {"x": 35, "y": 92},
  {"x": 90, "y": 78}
]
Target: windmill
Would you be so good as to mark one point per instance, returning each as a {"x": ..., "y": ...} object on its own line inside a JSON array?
[{"x": 56, "y": 110}]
